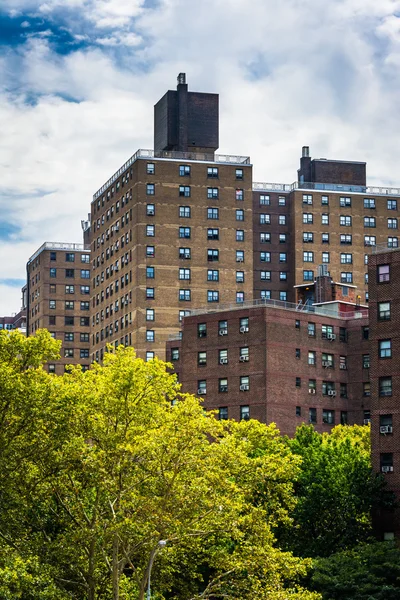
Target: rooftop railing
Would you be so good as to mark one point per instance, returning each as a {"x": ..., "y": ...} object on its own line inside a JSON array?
[
  {"x": 324, "y": 311},
  {"x": 383, "y": 248},
  {"x": 230, "y": 159},
  {"x": 332, "y": 187},
  {"x": 60, "y": 246}
]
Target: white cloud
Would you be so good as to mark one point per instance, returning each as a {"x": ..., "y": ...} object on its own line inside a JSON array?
[
  {"x": 25, "y": 24},
  {"x": 288, "y": 74}
]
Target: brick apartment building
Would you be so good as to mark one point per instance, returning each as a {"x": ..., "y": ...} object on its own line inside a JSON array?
[
  {"x": 329, "y": 216},
  {"x": 278, "y": 362},
  {"x": 384, "y": 286},
  {"x": 171, "y": 230},
  {"x": 58, "y": 299}
]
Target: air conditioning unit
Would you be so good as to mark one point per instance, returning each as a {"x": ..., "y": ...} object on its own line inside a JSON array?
[
  {"x": 331, "y": 393},
  {"x": 239, "y": 259},
  {"x": 244, "y": 388},
  {"x": 187, "y": 256},
  {"x": 327, "y": 363},
  {"x": 387, "y": 469},
  {"x": 223, "y": 361},
  {"x": 244, "y": 329},
  {"x": 331, "y": 336},
  {"x": 386, "y": 429},
  {"x": 201, "y": 391},
  {"x": 223, "y": 388},
  {"x": 311, "y": 390},
  {"x": 367, "y": 421},
  {"x": 150, "y": 213},
  {"x": 243, "y": 358},
  {"x": 342, "y": 366},
  {"x": 223, "y": 332}
]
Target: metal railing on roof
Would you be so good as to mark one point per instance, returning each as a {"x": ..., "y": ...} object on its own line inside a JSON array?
[
  {"x": 174, "y": 155},
  {"x": 60, "y": 246},
  {"x": 324, "y": 311},
  {"x": 333, "y": 187},
  {"x": 384, "y": 248}
]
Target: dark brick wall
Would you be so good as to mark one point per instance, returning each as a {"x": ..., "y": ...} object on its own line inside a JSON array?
[{"x": 333, "y": 171}]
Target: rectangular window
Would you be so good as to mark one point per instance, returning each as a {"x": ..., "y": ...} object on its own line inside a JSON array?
[
  {"x": 393, "y": 242},
  {"x": 239, "y": 194},
  {"x": 325, "y": 238},
  {"x": 244, "y": 384},
  {"x": 325, "y": 257},
  {"x": 149, "y": 355},
  {"x": 308, "y": 275},
  {"x": 85, "y": 258},
  {"x": 239, "y": 173},
  {"x": 150, "y": 230},
  {"x": 184, "y": 274},
  {"x": 239, "y": 255},
  {"x": 68, "y": 321},
  {"x": 202, "y": 387},
  {"x": 385, "y": 386},
  {"x": 212, "y": 296},
  {"x": 346, "y": 239},
  {"x": 150, "y": 293},
  {"x": 265, "y": 294},
  {"x": 265, "y": 256},
  {"x": 150, "y": 253},
  {"x": 69, "y": 289},
  {"x": 346, "y": 277},
  {"x": 69, "y": 257},
  {"x": 369, "y": 240},
  {"x": 308, "y": 256},
  {"x": 328, "y": 416},
  {"x": 53, "y": 272},
  {"x": 281, "y": 201},
  {"x": 346, "y": 259},
  {"x": 244, "y": 413},
  {"x": 308, "y": 237},
  {"x": 85, "y": 289},
  {"x": 244, "y": 325},
  {"x": 68, "y": 337},
  {"x": 212, "y": 193},
  {"x": 369, "y": 222},
  {"x": 344, "y": 201},
  {"x": 212, "y": 213},
  {"x": 312, "y": 415},
  {"x": 385, "y": 348},
  {"x": 70, "y": 273},
  {"x": 53, "y": 255},
  {"x": 312, "y": 357},
  {"x": 184, "y": 171},
  {"x": 384, "y": 311},
  {"x": 383, "y": 273},
  {"x": 223, "y": 385},
  {"x": 149, "y": 272},
  {"x": 307, "y": 199},
  {"x": 202, "y": 330},
  {"x": 212, "y": 255},
  {"x": 212, "y": 275},
  {"x": 345, "y": 221},
  {"x": 392, "y": 223},
  {"x": 265, "y": 275},
  {"x": 213, "y": 234},
  {"x": 150, "y": 168},
  {"x": 325, "y": 219},
  {"x": 264, "y": 200},
  {"x": 184, "y": 253},
  {"x": 324, "y": 200},
  {"x": 307, "y": 218},
  {"x": 150, "y": 189},
  {"x": 212, "y": 172},
  {"x": 282, "y": 275},
  {"x": 282, "y": 220},
  {"x": 369, "y": 202},
  {"x": 239, "y": 235},
  {"x": 282, "y": 238},
  {"x": 223, "y": 413},
  {"x": 240, "y": 215},
  {"x": 222, "y": 354},
  {"x": 239, "y": 297},
  {"x": 85, "y": 305},
  {"x": 265, "y": 238},
  {"x": 174, "y": 354},
  {"x": 184, "y": 295},
  {"x": 84, "y": 353},
  {"x": 366, "y": 361},
  {"x": 150, "y": 313},
  {"x": 184, "y": 232},
  {"x": 239, "y": 276},
  {"x": 392, "y": 204},
  {"x": 184, "y": 212},
  {"x": 202, "y": 359},
  {"x": 282, "y": 257},
  {"x": 85, "y": 274},
  {"x": 223, "y": 327},
  {"x": 184, "y": 190},
  {"x": 69, "y": 305}
]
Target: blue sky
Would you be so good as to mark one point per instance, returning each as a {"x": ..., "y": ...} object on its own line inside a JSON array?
[{"x": 79, "y": 78}]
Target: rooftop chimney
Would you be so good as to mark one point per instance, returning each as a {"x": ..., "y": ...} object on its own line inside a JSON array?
[
  {"x": 305, "y": 151},
  {"x": 181, "y": 78}
]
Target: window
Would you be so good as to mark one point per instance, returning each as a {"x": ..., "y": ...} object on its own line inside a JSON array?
[
  {"x": 53, "y": 255},
  {"x": 150, "y": 293},
  {"x": 84, "y": 353},
  {"x": 239, "y": 194},
  {"x": 150, "y": 189},
  {"x": 85, "y": 289},
  {"x": 212, "y": 193},
  {"x": 150, "y": 272},
  {"x": 265, "y": 256},
  {"x": 369, "y": 240},
  {"x": 68, "y": 352},
  {"x": 282, "y": 257},
  {"x": 212, "y": 172},
  {"x": 298, "y": 381},
  {"x": 213, "y": 234},
  {"x": 244, "y": 324},
  {"x": 202, "y": 330},
  {"x": 346, "y": 277},
  {"x": 265, "y": 275},
  {"x": 308, "y": 256},
  {"x": 297, "y": 324},
  {"x": 184, "y": 190},
  {"x": 385, "y": 348},
  {"x": 184, "y": 252},
  {"x": 202, "y": 387},
  {"x": 298, "y": 353},
  {"x": 244, "y": 413},
  {"x": 324, "y": 200},
  {"x": 369, "y": 202},
  {"x": 265, "y": 294},
  {"x": 202, "y": 359},
  {"x": 150, "y": 230},
  {"x": 365, "y": 333},
  {"x": 366, "y": 361},
  {"x": 223, "y": 413},
  {"x": 344, "y": 201},
  {"x": 184, "y": 212},
  {"x": 282, "y": 275},
  {"x": 308, "y": 275},
  {"x": 325, "y": 257},
  {"x": 239, "y": 173},
  {"x": 223, "y": 327},
  {"x": 308, "y": 237},
  {"x": 212, "y": 213},
  {"x": 85, "y": 258},
  {"x": 69, "y": 305},
  {"x": 150, "y": 253},
  {"x": 184, "y": 274},
  {"x": 307, "y": 218},
  {"x": 392, "y": 204},
  {"x": 325, "y": 219},
  {"x": 346, "y": 239},
  {"x": 343, "y": 334},
  {"x": 212, "y": 296},
  {"x": 212, "y": 275},
  {"x": 52, "y": 304},
  {"x": 383, "y": 273},
  {"x": 312, "y": 357},
  {"x": 184, "y": 171},
  {"x": 283, "y": 296},
  {"x": 384, "y": 311},
  {"x": 328, "y": 416},
  {"x": 150, "y": 314},
  {"x": 52, "y": 288},
  {"x": 68, "y": 337},
  {"x": 212, "y": 255},
  {"x": 345, "y": 221},
  {"x": 325, "y": 238},
  {"x": 184, "y": 232},
  {"x": 327, "y": 360},
  {"x": 307, "y": 199},
  {"x": 68, "y": 321},
  {"x": 85, "y": 305},
  {"x": 385, "y": 386},
  {"x": 69, "y": 257},
  {"x": 223, "y": 385},
  {"x": 150, "y": 168},
  {"x": 239, "y": 276},
  {"x": 312, "y": 415},
  {"x": 386, "y": 459},
  {"x": 244, "y": 383},
  {"x": 184, "y": 295},
  {"x": 264, "y": 200},
  {"x": 393, "y": 242},
  {"x": 346, "y": 258},
  {"x": 85, "y": 274},
  {"x": 265, "y": 237},
  {"x": 149, "y": 356},
  {"x": 311, "y": 329},
  {"x": 70, "y": 273},
  {"x": 281, "y": 201},
  {"x": 392, "y": 223},
  {"x": 239, "y": 255},
  {"x": 239, "y": 235},
  {"x": 182, "y": 314},
  {"x": 84, "y": 321},
  {"x": 282, "y": 238},
  {"x": 240, "y": 215},
  {"x": 174, "y": 354},
  {"x": 328, "y": 386},
  {"x": 282, "y": 220},
  {"x": 298, "y": 411},
  {"x": 369, "y": 222},
  {"x": 53, "y": 272},
  {"x": 239, "y": 297},
  {"x": 327, "y": 332}
]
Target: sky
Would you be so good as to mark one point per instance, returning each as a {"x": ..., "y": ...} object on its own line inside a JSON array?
[{"x": 79, "y": 79}]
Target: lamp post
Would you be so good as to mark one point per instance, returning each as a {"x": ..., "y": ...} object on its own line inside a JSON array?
[{"x": 161, "y": 544}]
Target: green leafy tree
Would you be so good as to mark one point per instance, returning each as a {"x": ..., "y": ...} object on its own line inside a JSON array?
[
  {"x": 336, "y": 491},
  {"x": 367, "y": 572}
]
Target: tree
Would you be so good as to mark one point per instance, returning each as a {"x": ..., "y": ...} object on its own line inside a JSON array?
[
  {"x": 367, "y": 572},
  {"x": 336, "y": 491}
]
